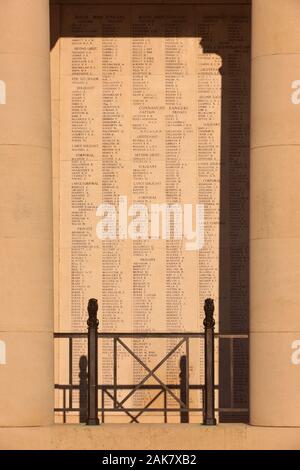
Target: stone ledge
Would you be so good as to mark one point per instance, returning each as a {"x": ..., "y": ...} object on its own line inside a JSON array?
[{"x": 149, "y": 437}]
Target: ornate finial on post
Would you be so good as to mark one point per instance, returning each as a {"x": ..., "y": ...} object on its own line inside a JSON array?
[
  {"x": 209, "y": 308},
  {"x": 92, "y": 311},
  {"x": 93, "y": 322},
  {"x": 209, "y": 386}
]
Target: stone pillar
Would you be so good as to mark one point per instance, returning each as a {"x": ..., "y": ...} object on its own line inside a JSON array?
[
  {"x": 26, "y": 284},
  {"x": 275, "y": 214}
]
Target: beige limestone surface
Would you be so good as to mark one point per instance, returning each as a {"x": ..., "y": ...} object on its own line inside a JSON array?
[
  {"x": 138, "y": 108},
  {"x": 274, "y": 214},
  {"x": 151, "y": 437},
  {"x": 26, "y": 291},
  {"x": 26, "y": 234}
]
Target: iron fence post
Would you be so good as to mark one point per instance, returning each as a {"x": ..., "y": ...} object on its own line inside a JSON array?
[
  {"x": 184, "y": 414},
  {"x": 93, "y": 322},
  {"x": 209, "y": 387}
]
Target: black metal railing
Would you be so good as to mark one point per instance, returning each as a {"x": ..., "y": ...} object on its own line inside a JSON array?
[{"x": 89, "y": 388}]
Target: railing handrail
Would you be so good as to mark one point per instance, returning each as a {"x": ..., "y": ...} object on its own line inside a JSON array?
[
  {"x": 183, "y": 337},
  {"x": 146, "y": 334}
]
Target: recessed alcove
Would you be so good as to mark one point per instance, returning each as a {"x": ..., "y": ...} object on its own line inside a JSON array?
[{"x": 152, "y": 100}]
